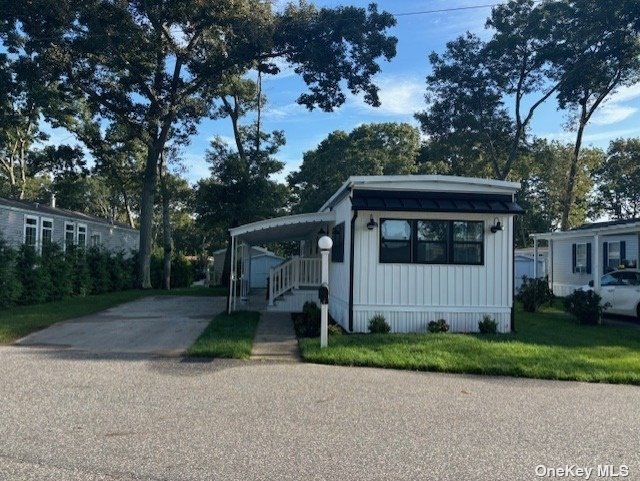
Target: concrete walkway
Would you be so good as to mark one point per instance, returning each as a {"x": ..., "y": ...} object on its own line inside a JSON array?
[
  {"x": 275, "y": 338},
  {"x": 162, "y": 325}
]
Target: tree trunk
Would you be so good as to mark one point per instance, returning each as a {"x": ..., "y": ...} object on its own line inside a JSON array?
[
  {"x": 146, "y": 217},
  {"x": 573, "y": 171},
  {"x": 167, "y": 242}
]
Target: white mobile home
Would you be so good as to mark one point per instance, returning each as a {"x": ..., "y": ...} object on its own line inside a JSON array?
[
  {"x": 583, "y": 254},
  {"x": 30, "y": 223},
  {"x": 412, "y": 248}
]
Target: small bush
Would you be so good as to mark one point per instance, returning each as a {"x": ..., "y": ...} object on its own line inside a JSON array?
[
  {"x": 335, "y": 330},
  {"x": 10, "y": 286},
  {"x": 488, "y": 325},
  {"x": 438, "y": 326},
  {"x": 379, "y": 325},
  {"x": 585, "y": 306},
  {"x": 80, "y": 274},
  {"x": 534, "y": 293},
  {"x": 35, "y": 280},
  {"x": 307, "y": 322},
  {"x": 56, "y": 270}
]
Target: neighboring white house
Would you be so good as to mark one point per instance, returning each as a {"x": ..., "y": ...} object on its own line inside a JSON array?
[
  {"x": 412, "y": 248},
  {"x": 583, "y": 254},
  {"x": 262, "y": 260},
  {"x": 31, "y": 223},
  {"x": 524, "y": 265}
]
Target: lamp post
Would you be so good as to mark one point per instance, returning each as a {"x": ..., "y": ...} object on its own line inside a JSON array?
[{"x": 324, "y": 243}]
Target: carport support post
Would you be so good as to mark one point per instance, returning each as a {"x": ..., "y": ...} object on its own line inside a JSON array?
[
  {"x": 535, "y": 257},
  {"x": 596, "y": 263}
]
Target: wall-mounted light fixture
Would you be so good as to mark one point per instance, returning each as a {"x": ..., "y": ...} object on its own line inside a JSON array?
[
  {"x": 372, "y": 224},
  {"x": 497, "y": 226}
]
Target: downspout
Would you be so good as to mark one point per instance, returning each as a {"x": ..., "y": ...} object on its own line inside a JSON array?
[
  {"x": 351, "y": 263},
  {"x": 513, "y": 273}
]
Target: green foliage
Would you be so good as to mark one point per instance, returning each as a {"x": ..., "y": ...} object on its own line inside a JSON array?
[
  {"x": 488, "y": 325},
  {"x": 438, "y": 326},
  {"x": 585, "y": 306},
  {"x": 379, "y": 325},
  {"x": 35, "y": 280},
  {"x": 57, "y": 271},
  {"x": 534, "y": 293},
  {"x": 80, "y": 274},
  {"x": 182, "y": 271},
  {"x": 98, "y": 262},
  {"x": 370, "y": 149},
  {"x": 307, "y": 322},
  {"x": 10, "y": 286}
]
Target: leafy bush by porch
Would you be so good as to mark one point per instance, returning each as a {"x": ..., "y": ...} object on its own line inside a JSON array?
[{"x": 548, "y": 344}]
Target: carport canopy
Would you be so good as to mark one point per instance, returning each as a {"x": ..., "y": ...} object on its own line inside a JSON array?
[{"x": 286, "y": 228}]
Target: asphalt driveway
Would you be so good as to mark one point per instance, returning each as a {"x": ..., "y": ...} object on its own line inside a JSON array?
[
  {"x": 72, "y": 415},
  {"x": 162, "y": 325}
]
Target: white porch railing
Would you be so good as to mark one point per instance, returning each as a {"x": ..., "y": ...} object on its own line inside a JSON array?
[{"x": 295, "y": 273}]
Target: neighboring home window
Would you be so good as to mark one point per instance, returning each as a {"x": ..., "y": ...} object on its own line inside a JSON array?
[
  {"x": 614, "y": 255},
  {"x": 82, "y": 235},
  {"x": 337, "y": 236},
  {"x": 96, "y": 240},
  {"x": 46, "y": 231},
  {"x": 30, "y": 230},
  {"x": 69, "y": 234},
  {"x": 395, "y": 245},
  {"x": 432, "y": 241},
  {"x": 468, "y": 242},
  {"x": 581, "y": 254}
]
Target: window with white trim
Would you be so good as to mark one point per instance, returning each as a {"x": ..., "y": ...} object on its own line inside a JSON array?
[
  {"x": 613, "y": 255},
  {"x": 96, "y": 239},
  {"x": 69, "y": 234},
  {"x": 581, "y": 257},
  {"x": 30, "y": 230},
  {"x": 46, "y": 231},
  {"x": 82, "y": 235}
]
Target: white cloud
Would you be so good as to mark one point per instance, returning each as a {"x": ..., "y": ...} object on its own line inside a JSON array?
[
  {"x": 594, "y": 137},
  {"x": 614, "y": 110},
  {"x": 399, "y": 96},
  {"x": 286, "y": 111}
]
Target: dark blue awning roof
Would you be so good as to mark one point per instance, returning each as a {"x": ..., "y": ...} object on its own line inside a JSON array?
[{"x": 415, "y": 201}]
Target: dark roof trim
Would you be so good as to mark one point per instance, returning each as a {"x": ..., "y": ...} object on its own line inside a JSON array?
[
  {"x": 414, "y": 201},
  {"x": 42, "y": 209},
  {"x": 609, "y": 223}
]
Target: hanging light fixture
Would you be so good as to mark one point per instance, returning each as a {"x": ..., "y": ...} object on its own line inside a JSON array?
[
  {"x": 372, "y": 224},
  {"x": 497, "y": 226}
]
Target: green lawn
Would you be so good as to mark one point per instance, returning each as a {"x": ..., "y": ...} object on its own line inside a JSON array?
[
  {"x": 547, "y": 345},
  {"x": 228, "y": 336},
  {"x": 17, "y": 322}
]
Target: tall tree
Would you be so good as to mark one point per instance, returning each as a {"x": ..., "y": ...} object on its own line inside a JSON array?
[
  {"x": 594, "y": 48},
  {"x": 370, "y": 149},
  {"x": 618, "y": 180},
  {"x": 158, "y": 66}
]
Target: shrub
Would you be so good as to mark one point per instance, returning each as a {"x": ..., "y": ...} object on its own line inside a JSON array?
[
  {"x": 80, "y": 275},
  {"x": 488, "y": 325},
  {"x": 182, "y": 270},
  {"x": 307, "y": 322},
  {"x": 585, "y": 306},
  {"x": 438, "y": 326},
  {"x": 335, "y": 330},
  {"x": 35, "y": 281},
  {"x": 379, "y": 325},
  {"x": 56, "y": 271},
  {"x": 534, "y": 293},
  {"x": 10, "y": 286},
  {"x": 98, "y": 261}
]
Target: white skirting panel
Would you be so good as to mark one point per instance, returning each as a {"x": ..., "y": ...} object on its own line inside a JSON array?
[
  {"x": 411, "y": 319},
  {"x": 562, "y": 290},
  {"x": 339, "y": 311}
]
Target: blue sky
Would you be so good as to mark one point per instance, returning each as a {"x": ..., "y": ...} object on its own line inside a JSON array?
[{"x": 402, "y": 84}]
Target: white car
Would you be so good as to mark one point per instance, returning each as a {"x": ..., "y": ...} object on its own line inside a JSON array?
[{"x": 621, "y": 289}]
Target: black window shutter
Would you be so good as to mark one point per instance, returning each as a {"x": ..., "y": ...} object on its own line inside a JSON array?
[
  {"x": 573, "y": 258},
  {"x": 589, "y": 258},
  {"x": 623, "y": 251},
  {"x": 605, "y": 256}
]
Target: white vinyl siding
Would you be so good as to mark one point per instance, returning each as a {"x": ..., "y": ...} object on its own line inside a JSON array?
[{"x": 411, "y": 295}]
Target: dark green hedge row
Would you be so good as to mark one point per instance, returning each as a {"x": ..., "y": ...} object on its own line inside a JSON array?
[{"x": 27, "y": 277}]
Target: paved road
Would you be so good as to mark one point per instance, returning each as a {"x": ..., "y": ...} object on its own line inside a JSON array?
[
  {"x": 163, "y": 325},
  {"x": 68, "y": 415}
]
